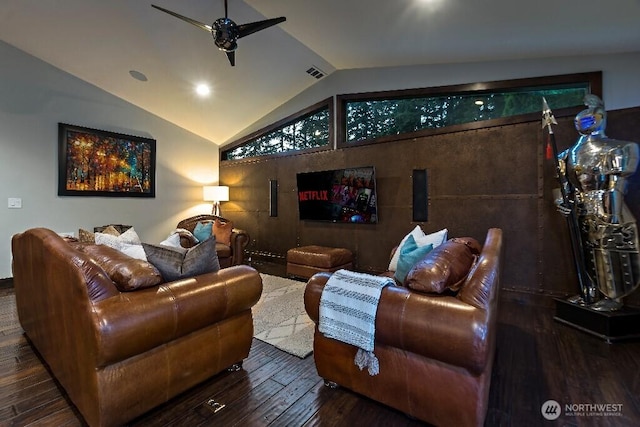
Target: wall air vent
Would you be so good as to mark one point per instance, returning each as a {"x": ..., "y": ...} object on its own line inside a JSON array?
[{"x": 316, "y": 72}]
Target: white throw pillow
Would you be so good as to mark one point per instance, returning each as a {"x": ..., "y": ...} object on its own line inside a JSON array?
[
  {"x": 128, "y": 243},
  {"x": 173, "y": 241},
  {"x": 436, "y": 239},
  {"x": 130, "y": 236},
  {"x": 134, "y": 251}
]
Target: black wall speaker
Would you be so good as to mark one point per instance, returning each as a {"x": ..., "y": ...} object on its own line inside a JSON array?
[
  {"x": 420, "y": 196},
  {"x": 273, "y": 197}
]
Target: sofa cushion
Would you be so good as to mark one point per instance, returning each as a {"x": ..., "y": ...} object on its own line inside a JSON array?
[
  {"x": 445, "y": 267},
  {"x": 178, "y": 263},
  {"x": 410, "y": 254},
  {"x": 421, "y": 239},
  {"x": 127, "y": 273}
]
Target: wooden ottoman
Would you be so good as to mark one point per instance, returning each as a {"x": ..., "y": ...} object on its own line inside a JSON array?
[{"x": 305, "y": 261}]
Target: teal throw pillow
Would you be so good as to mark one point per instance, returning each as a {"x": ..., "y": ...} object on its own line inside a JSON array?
[
  {"x": 410, "y": 254},
  {"x": 203, "y": 231}
]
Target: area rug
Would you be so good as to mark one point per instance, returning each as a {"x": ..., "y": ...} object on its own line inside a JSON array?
[{"x": 279, "y": 317}]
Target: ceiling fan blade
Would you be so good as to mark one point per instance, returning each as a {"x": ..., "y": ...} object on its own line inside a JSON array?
[
  {"x": 184, "y": 18},
  {"x": 232, "y": 57},
  {"x": 246, "y": 29}
]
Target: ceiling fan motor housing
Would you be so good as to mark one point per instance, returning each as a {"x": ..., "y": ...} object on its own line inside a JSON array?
[{"x": 225, "y": 34}]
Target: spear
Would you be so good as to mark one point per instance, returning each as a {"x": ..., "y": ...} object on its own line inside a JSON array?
[{"x": 587, "y": 287}]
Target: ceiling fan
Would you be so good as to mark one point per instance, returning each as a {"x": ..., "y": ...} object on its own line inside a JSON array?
[{"x": 225, "y": 32}]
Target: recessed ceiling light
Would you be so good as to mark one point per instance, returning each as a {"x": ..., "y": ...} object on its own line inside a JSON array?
[
  {"x": 138, "y": 75},
  {"x": 203, "y": 89},
  {"x": 479, "y": 102}
]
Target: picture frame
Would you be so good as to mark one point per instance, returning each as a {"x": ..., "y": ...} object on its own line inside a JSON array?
[{"x": 93, "y": 162}]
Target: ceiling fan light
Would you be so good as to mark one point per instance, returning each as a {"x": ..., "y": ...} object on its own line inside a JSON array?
[{"x": 203, "y": 90}]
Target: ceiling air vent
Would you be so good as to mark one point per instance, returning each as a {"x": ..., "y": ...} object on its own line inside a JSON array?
[{"x": 316, "y": 72}]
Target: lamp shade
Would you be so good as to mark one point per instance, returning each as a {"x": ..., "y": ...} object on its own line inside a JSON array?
[{"x": 215, "y": 193}]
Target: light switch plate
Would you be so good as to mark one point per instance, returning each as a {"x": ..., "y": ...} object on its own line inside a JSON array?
[{"x": 15, "y": 203}]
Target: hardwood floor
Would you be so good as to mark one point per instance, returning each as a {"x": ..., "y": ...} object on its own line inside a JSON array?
[{"x": 537, "y": 359}]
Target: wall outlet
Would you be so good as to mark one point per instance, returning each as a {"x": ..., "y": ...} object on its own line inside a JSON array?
[{"x": 15, "y": 203}]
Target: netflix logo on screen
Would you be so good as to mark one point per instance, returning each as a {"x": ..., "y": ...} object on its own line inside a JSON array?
[
  {"x": 313, "y": 195},
  {"x": 341, "y": 195}
]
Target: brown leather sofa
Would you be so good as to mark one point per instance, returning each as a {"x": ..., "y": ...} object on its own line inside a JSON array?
[
  {"x": 228, "y": 254},
  {"x": 435, "y": 351},
  {"x": 119, "y": 354}
]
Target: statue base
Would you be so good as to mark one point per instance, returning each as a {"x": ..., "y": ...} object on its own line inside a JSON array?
[{"x": 612, "y": 326}]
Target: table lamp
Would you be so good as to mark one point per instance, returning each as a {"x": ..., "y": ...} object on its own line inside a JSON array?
[{"x": 215, "y": 194}]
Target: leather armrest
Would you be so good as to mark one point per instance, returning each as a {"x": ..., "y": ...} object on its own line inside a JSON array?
[
  {"x": 187, "y": 242},
  {"x": 439, "y": 327},
  {"x": 134, "y": 322},
  {"x": 239, "y": 241}
]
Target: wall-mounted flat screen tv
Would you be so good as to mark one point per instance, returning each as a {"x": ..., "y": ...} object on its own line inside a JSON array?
[{"x": 341, "y": 195}]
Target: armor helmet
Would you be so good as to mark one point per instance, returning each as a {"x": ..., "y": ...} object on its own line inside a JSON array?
[{"x": 593, "y": 120}]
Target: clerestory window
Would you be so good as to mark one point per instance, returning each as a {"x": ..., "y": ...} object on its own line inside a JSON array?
[
  {"x": 366, "y": 118},
  {"x": 383, "y": 116},
  {"x": 308, "y": 130}
]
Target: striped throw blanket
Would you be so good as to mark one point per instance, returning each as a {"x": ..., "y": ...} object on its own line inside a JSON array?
[{"x": 348, "y": 307}]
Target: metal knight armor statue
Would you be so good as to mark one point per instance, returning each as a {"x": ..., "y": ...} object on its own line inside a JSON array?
[{"x": 596, "y": 169}]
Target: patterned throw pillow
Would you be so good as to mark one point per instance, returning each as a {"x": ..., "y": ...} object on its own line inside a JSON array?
[
  {"x": 85, "y": 236},
  {"x": 179, "y": 263}
]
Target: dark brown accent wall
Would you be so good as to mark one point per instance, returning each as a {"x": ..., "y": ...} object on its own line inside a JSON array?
[{"x": 493, "y": 177}]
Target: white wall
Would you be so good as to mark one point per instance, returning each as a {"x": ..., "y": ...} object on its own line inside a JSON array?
[
  {"x": 621, "y": 85},
  {"x": 34, "y": 98}
]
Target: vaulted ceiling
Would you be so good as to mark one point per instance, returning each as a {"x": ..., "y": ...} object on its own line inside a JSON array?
[{"x": 105, "y": 42}]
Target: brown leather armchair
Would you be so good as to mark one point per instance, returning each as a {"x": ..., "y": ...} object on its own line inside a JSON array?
[
  {"x": 119, "y": 354},
  {"x": 228, "y": 254},
  {"x": 435, "y": 351}
]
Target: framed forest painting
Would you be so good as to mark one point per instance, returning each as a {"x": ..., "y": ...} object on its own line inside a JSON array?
[{"x": 94, "y": 162}]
